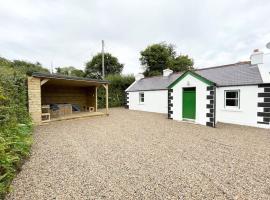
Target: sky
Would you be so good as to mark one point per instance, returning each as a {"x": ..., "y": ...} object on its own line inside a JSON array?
[{"x": 69, "y": 32}]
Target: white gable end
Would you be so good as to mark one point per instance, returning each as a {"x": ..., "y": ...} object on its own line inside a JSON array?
[{"x": 189, "y": 81}]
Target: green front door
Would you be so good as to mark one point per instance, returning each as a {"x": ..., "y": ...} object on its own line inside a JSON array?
[{"x": 189, "y": 103}]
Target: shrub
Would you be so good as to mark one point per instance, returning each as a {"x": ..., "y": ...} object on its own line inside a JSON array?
[
  {"x": 15, "y": 138},
  {"x": 15, "y": 122},
  {"x": 15, "y": 142},
  {"x": 118, "y": 85}
]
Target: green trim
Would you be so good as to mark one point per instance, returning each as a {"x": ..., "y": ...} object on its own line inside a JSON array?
[{"x": 199, "y": 77}]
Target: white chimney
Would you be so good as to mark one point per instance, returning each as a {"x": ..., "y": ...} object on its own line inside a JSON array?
[
  {"x": 256, "y": 57},
  {"x": 139, "y": 76},
  {"x": 167, "y": 72},
  {"x": 263, "y": 62}
]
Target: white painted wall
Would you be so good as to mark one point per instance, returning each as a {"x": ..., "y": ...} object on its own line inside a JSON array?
[
  {"x": 154, "y": 101},
  {"x": 246, "y": 114},
  {"x": 157, "y": 101},
  {"x": 201, "y": 101}
]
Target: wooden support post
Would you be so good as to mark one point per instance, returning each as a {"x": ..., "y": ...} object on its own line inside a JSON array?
[
  {"x": 107, "y": 98},
  {"x": 96, "y": 105}
]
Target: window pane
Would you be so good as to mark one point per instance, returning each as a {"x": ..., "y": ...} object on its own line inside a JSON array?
[
  {"x": 142, "y": 99},
  {"x": 232, "y": 94},
  {"x": 231, "y": 102}
]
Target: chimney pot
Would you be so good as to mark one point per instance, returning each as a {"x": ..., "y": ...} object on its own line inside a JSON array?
[{"x": 256, "y": 50}]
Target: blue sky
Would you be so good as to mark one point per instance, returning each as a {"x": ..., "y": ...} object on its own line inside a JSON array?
[{"x": 69, "y": 32}]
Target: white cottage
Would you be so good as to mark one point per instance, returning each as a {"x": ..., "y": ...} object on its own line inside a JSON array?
[{"x": 237, "y": 93}]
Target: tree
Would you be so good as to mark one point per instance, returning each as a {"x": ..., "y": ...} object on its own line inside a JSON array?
[
  {"x": 157, "y": 57},
  {"x": 111, "y": 66},
  {"x": 70, "y": 71},
  {"x": 182, "y": 63}
]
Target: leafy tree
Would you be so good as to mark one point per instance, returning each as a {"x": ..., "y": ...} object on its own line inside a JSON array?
[
  {"x": 157, "y": 57},
  {"x": 182, "y": 63},
  {"x": 70, "y": 71},
  {"x": 111, "y": 66}
]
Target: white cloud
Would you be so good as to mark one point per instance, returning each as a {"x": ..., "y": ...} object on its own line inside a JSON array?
[{"x": 70, "y": 32}]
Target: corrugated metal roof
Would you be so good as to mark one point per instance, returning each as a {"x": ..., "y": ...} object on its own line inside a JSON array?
[{"x": 227, "y": 75}]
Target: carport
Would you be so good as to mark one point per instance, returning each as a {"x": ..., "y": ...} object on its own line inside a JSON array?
[{"x": 53, "y": 97}]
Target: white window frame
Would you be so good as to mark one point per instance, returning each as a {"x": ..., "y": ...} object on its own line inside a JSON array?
[
  {"x": 237, "y": 98},
  {"x": 141, "y": 98}
]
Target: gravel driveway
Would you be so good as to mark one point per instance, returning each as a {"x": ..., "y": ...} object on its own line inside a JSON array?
[{"x": 139, "y": 155}]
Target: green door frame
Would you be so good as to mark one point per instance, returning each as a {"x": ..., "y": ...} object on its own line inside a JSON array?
[{"x": 189, "y": 103}]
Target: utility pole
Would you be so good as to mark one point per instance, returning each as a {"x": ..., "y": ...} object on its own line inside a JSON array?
[{"x": 103, "y": 70}]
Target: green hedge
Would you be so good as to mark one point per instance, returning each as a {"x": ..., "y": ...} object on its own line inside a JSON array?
[
  {"x": 117, "y": 86},
  {"x": 15, "y": 125}
]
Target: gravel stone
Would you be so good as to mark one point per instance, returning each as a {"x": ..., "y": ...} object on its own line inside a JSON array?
[{"x": 140, "y": 155}]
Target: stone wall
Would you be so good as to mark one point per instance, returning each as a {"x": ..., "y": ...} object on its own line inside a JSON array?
[{"x": 34, "y": 99}]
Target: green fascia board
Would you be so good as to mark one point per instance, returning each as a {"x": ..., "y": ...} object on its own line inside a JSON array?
[{"x": 199, "y": 77}]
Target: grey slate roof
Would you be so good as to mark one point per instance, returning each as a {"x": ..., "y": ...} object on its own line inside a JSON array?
[
  {"x": 154, "y": 83},
  {"x": 227, "y": 75},
  {"x": 236, "y": 74}
]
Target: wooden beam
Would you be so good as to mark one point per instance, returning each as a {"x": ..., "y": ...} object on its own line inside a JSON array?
[
  {"x": 107, "y": 98},
  {"x": 44, "y": 81},
  {"x": 96, "y": 105}
]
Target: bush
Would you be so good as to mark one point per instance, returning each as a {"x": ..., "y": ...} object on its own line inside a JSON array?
[
  {"x": 15, "y": 122},
  {"x": 15, "y": 125},
  {"x": 15, "y": 128},
  {"x": 15, "y": 142},
  {"x": 118, "y": 85}
]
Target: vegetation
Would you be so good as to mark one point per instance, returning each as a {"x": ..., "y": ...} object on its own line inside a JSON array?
[
  {"x": 157, "y": 57},
  {"x": 15, "y": 122},
  {"x": 111, "y": 64},
  {"x": 118, "y": 84},
  {"x": 70, "y": 71},
  {"x": 22, "y": 67}
]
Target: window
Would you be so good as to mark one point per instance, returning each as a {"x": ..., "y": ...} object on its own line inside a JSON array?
[
  {"x": 232, "y": 99},
  {"x": 141, "y": 97}
]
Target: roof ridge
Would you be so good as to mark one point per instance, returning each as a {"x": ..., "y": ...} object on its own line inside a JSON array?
[
  {"x": 148, "y": 77},
  {"x": 206, "y": 68},
  {"x": 227, "y": 65}
]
